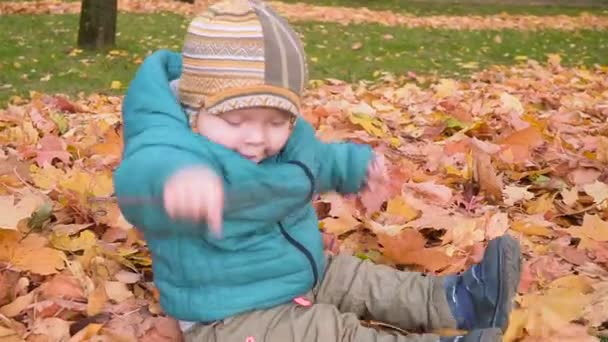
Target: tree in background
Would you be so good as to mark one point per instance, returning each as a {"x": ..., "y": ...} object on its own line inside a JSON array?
[{"x": 97, "y": 24}]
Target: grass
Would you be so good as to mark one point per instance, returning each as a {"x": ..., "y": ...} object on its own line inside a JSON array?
[
  {"x": 473, "y": 7},
  {"x": 38, "y": 52},
  {"x": 448, "y": 52}
]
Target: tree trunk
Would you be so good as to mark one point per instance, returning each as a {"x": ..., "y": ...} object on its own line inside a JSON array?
[{"x": 97, "y": 24}]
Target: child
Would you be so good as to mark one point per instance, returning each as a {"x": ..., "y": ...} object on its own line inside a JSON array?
[{"x": 216, "y": 133}]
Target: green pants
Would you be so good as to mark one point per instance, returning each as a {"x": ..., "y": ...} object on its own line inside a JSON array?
[{"x": 352, "y": 289}]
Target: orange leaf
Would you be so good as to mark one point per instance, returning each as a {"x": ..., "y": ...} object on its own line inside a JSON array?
[
  {"x": 485, "y": 174},
  {"x": 30, "y": 254},
  {"x": 97, "y": 300},
  {"x": 407, "y": 248}
]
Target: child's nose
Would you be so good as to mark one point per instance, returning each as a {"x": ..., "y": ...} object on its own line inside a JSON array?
[{"x": 255, "y": 136}]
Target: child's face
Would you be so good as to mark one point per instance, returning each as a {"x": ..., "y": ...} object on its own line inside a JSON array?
[{"x": 255, "y": 133}]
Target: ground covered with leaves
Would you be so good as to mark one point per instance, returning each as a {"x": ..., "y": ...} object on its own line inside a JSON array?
[{"x": 517, "y": 150}]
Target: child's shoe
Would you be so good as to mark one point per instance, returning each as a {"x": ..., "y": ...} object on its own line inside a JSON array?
[
  {"x": 482, "y": 297},
  {"x": 483, "y": 335}
]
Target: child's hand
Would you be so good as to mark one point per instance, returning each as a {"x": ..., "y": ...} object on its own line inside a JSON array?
[
  {"x": 376, "y": 172},
  {"x": 197, "y": 194},
  {"x": 330, "y": 243}
]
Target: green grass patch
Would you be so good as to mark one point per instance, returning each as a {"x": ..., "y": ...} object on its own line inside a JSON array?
[
  {"x": 446, "y": 52},
  {"x": 39, "y": 53},
  {"x": 451, "y": 7}
]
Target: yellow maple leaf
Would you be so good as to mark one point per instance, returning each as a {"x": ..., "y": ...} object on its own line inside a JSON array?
[
  {"x": 370, "y": 124},
  {"x": 116, "y": 85},
  {"x": 30, "y": 253},
  {"x": 593, "y": 228},
  {"x": 541, "y": 205},
  {"x": 339, "y": 225},
  {"x": 572, "y": 281},
  {"x": 530, "y": 228},
  {"x": 88, "y": 184},
  {"x": 399, "y": 207},
  {"x": 46, "y": 178},
  {"x": 557, "y": 305},
  {"x": 64, "y": 242}
]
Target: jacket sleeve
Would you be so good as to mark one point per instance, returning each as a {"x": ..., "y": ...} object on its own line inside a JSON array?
[
  {"x": 340, "y": 167},
  {"x": 344, "y": 166}
]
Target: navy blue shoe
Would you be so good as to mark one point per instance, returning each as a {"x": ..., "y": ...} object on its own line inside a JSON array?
[
  {"x": 484, "y": 335},
  {"x": 482, "y": 297}
]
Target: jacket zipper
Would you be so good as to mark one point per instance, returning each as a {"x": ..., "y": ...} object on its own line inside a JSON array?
[
  {"x": 304, "y": 251},
  {"x": 293, "y": 241}
]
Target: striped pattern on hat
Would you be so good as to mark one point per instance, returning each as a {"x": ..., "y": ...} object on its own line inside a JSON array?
[{"x": 240, "y": 54}]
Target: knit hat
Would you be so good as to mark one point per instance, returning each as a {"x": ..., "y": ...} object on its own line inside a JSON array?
[{"x": 241, "y": 54}]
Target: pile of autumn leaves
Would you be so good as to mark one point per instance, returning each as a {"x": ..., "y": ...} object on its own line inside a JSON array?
[{"x": 514, "y": 150}]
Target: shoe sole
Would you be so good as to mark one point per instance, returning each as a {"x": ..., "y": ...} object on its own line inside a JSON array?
[{"x": 510, "y": 262}]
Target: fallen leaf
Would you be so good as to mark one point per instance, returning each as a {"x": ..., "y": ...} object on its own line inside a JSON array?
[
  {"x": 356, "y": 46},
  {"x": 486, "y": 176},
  {"x": 598, "y": 190},
  {"x": 597, "y": 310},
  {"x": 62, "y": 286},
  {"x": 437, "y": 193},
  {"x": 85, "y": 240},
  {"x": 497, "y": 225},
  {"x": 593, "y": 228},
  {"x": 373, "y": 199},
  {"x": 9, "y": 335},
  {"x": 530, "y": 228},
  {"x": 368, "y": 123},
  {"x": 340, "y": 225},
  {"x": 541, "y": 205},
  {"x": 53, "y": 328},
  {"x": 399, "y": 207},
  {"x": 566, "y": 303},
  {"x": 576, "y": 282},
  {"x": 570, "y": 197},
  {"x": 97, "y": 300},
  {"x": 408, "y": 249},
  {"x": 445, "y": 88},
  {"x": 515, "y": 194},
  {"x": 18, "y": 305},
  {"x": 117, "y": 291},
  {"x": 13, "y": 213},
  {"x": 49, "y": 148},
  {"x": 69, "y": 229},
  {"x": 30, "y": 253},
  {"x": 127, "y": 277}
]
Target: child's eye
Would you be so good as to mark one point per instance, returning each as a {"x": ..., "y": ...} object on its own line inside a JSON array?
[
  {"x": 278, "y": 123},
  {"x": 233, "y": 122}
]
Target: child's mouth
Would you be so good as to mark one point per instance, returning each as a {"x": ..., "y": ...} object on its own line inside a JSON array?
[{"x": 250, "y": 157}]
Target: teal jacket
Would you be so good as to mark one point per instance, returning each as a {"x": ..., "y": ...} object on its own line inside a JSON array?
[{"x": 271, "y": 250}]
